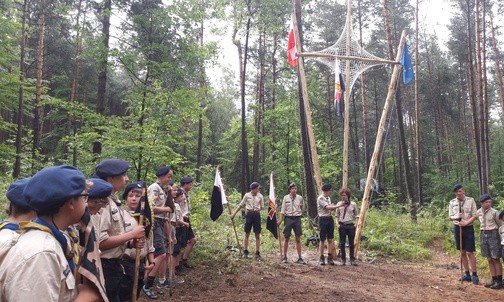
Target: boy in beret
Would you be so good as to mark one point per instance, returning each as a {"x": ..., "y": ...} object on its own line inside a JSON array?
[
  {"x": 186, "y": 184},
  {"x": 292, "y": 210},
  {"x": 18, "y": 211},
  {"x": 40, "y": 264},
  {"x": 462, "y": 213},
  {"x": 326, "y": 224},
  {"x": 253, "y": 202},
  {"x": 158, "y": 199},
  {"x": 490, "y": 239},
  {"x": 346, "y": 213},
  {"x": 114, "y": 238}
]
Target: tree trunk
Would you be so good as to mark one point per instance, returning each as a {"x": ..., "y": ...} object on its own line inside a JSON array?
[
  {"x": 498, "y": 69},
  {"x": 103, "y": 68},
  {"x": 16, "y": 171},
  {"x": 38, "y": 111},
  {"x": 199, "y": 152},
  {"x": 419, "y": 161},
  {"x": 400, "y": 124}
]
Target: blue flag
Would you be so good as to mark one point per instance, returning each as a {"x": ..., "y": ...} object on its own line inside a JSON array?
[{"x": 408, "y": 74}]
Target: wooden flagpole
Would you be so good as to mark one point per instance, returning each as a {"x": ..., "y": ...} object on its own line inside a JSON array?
[
  {"x": 143, "y": 200},
  {"x": 346, "y": 99},
  {"x": 307, "y": 108},
  {"x": 234, "y": 228},
  {"x": 378, "y": 143}
]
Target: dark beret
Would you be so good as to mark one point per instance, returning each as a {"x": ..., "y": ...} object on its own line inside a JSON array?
[
  {"x": 171, "y": 183},
  {"x": 132, "y": 186},
  {"x": 254, "y": 185},
  {"x": 291, "y": 185},
  {"x": 53, "y": 186},
  {"x": 162, "y": 171},
  {"x": 15, "y": 193},
  {"x": 179, "y": 192},
  {"x": 186, "y": 180},
  {"x": 326, "y": 187},
  {"x": 100, "y": 189},
  {"x": 485, "y": 197},
  {"x": 457, "y": 187},
  {"x": 111, "y": 167},
  {"x": 501, "y": 215}
]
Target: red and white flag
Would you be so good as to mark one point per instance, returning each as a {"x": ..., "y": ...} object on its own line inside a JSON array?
[{"x": 291, "y": 48}]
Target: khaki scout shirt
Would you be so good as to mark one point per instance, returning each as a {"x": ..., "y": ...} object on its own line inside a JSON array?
[
  {"x": 466, "y": 206},
  {"x": 177, "y": 214},
  {"x": 131, "y": 223},
  {"x": 112, "y": 224},
  {"x": 347, "y": 214},
  {"x": 323, "y": 201},
  {"x": 489, "y": 219},
  {"x": 36, "y": 269},
  {"x": 157, "y": 198},
  {"x": 7, "y": 237},
  {"x": 292, "y": 207},
  {"x": 252, "y": 203}
]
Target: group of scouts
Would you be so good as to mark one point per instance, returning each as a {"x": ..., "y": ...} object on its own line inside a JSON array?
[
  {"x": 43, "y": 240},
  {"x": 291, "y": 211},
  {"x": 462, "y": 211}
]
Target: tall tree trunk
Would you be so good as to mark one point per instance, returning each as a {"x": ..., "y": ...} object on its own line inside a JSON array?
[
  {"x": 498, "y": 69},
  {"x": 103, "y": 68},
  {"x": 16, "y": 171},
  {"x": 260, "y": 106},
  {"x": 199, "y": 152},
  {"x": 419, "y": 161},
  {"x": 400, "y": 124},
  {"x": 38, "y": 111}
]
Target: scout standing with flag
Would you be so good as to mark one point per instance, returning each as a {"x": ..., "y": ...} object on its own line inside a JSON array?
[
  {"x": 253, "y": 202},
  {"x": 40, "y": 265},
  {"x": 292, "y": 210}
]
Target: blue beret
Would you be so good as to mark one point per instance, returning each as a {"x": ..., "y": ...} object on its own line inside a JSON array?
[
  {"x": 131, "y": 186},
  {"x": 292, "y": 185},
  {"x": 485, "y": 197},
  {"x": 162, "y": 171},
  {"x": 52, "y": 186},
  {"x": 254, "y": 185},
  {"x": 111, "y": 167},
  {"x": 100, "y": 189},
  {"x": 15, "y": 193},
  {"x": 326, "y": 187},
  {"x": 457, "y": 187},
  {"x": 186, "y": 180},
  {"x": 171, "y": 183}
]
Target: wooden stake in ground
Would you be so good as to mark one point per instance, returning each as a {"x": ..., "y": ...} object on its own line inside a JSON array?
[
  {"x": 378, "y": 143},
  {"x": 460, "y": 246},
  {"x": 234, "y": 228}
]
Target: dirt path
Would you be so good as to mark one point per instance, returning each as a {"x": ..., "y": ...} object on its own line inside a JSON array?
[{"x": 268, "y": 279}]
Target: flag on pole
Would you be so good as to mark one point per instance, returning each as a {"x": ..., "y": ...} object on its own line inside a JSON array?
[
  {"x": 408, "y": 74},
  {"x": 144, "y": 209},
  {"x": 339, "y": 88},
  {"x": 291, "y": 48},
  {"x": 218, "y": 197},
  {"x": 271, "y": 223}
]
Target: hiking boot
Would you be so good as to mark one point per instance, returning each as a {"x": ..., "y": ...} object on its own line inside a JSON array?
[
  {"x": 475, "y": 280},
  {"x": 186, "y": 264},
  {"x": 300, "y": 261},
  {"x": 465, "y": 278},
  {"x": 489, "y": 284},
  {"x": 245, "y": 253},
  {"x": 164, "y": 284},
  {"x": 353, "y": 263},
  {"x": 343, "y": 262},
  {"x": 497, "y": 285},
  {"x": 284, "y": 259},
  {"x": 149, "y": 293},
  {"x": 257, "y": 255},
  {"x": 322, "y": 260},
  {"x": 330, "y": 261}
]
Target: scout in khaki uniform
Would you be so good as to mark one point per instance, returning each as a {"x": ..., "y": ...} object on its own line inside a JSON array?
[
  {"x": 490, "y": 240},
  {"x": 346, "y": 214},
  {"x": 253, "y": 202},
  {"x": 40, "y": 265},
  {"x": 292, "y": 210},
  {"x": 132, "y": 195},
  {"x": 462, "y": 213},
  {"x": 114, "y": 239},
  {"x": 189, "y": 238},
  {"x": 18, "y": 211},
  {"x": 326, "y": 224},
  {"x": 158, "y": 198}
]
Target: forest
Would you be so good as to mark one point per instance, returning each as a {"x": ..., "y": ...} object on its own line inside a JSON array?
[{"x": 146, "y": 81}]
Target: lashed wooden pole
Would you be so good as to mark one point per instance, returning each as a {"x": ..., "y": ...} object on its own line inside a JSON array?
[{"x": 378, "y": 143}]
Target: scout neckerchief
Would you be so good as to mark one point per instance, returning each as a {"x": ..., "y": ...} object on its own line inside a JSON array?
[
  {"x": 10, "y": 226},
  {"x": 344, "y": 213},
  {"x": 41, "y": 225}
]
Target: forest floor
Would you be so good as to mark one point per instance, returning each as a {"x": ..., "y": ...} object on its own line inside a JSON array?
[{"x": 372, "y": 280}]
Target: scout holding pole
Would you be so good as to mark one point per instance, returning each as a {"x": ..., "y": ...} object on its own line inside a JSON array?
[{"x": 143, "y": 200}]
